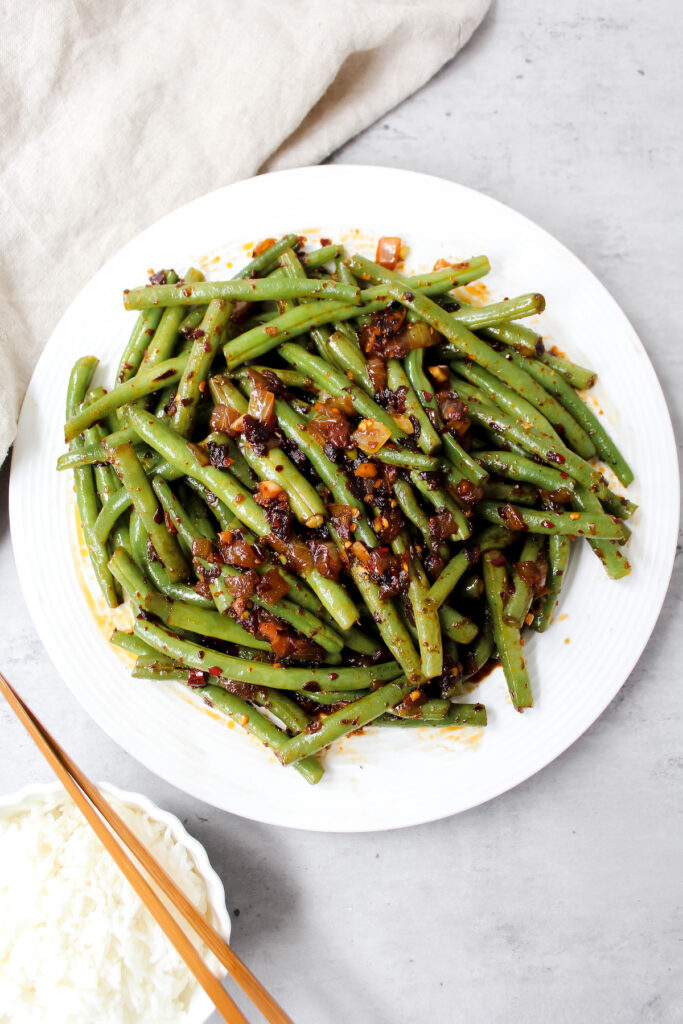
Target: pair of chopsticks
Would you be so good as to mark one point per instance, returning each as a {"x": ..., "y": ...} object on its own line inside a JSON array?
[{"x": 92, "y": 804}]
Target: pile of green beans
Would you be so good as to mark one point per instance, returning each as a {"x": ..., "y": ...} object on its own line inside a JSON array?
[{"x": 335, "y": 495}]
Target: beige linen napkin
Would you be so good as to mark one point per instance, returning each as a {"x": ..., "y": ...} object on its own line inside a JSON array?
[{"x": 111, "y": 115}]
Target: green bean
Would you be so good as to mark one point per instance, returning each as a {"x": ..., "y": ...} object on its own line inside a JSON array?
[
  {"x": 131, "y": 643},
  {"x": 156, "y": 572},
  {"x": 428, "y": 439},
  {"x": 518, "y": 467},
  {"x": 143, "y": 384},
  {"x": 519, "y": 602},
  {"x": 554, "y": 382},
  {"x": 154, "y": 667},
  {"x": 482, "y": 648},
  {"x": 546, "y": 415},
  {"x": 137, "y": 485},
  {"x": 177, "y": 614},
  {"x": 608, "y": 551},
  {"x": 547, "y": 447},
  {"x": 578, "y": 376},
  {"x": 455, "y": 626},
  {"x": 435, "y": 282},
  {"x": 463, "y": 463},
  {"x": 494, "y": 313},
  {"x": 346, "y": 355},
  {"x": 319, "y": 257},
  {"x": 426, "y": 615},
  {"x": 431, "y": 711},
  {"x": 341, "y": 723},
  {"x": 258, "y": 725},
  {"x": 508, "y": 638},
  {"x": 267, "y": 258},
  {"x": 174, "y": 449},
  {"x": 500, "y": 490},
  {"x": 490, "y": 538},
  {"x": 176, "y": 514},
  {"x": 84, "y": 483},
  {"x": 411, "y": 508},
  {"x": 142, "y": 334},
  {"x": 199, "y": 362},
  {"x": 407, "y": 459},
  {"x": 290, "y": 378},
  {"x": 191, "y": 321},
  {"x": 165, "y": 337},
  {"x": 471, "y": 588},
  {"x": 269, "y": 289},
  {"x": 569, "y": 524},
  {"x": 196, "y": 656},
  {"x": 458, "y": 714},
  {"x": 558, "y": 558}
]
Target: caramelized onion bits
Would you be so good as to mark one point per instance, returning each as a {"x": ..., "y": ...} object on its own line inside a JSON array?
[
  {"x": 393, "y": 401},
  {"x": 284, "y": 643},
  {"x": 403, "y": 422},
  {"x": 271, "y": 587},
  {"x": 267, "y": 491},
  {"x": 366, "y": 469},
  {"x": 261, "y": 404},
  {"x": 441, "y": 526},
  {"x": 377, "y": 372},
  {"x": 235, "y": 550},
  {"x": 225, "y": 420},
  {"x": 200, "y": 455},
  {"x": 259, "y": 436},
  {"x": 390, "y": 571},
  {"x": 497, "y": 558},
  {"x": 202, "y": 548},
  {"x": 370, "y": 435},
  {"x": 241, "y": 310},
  {"x": 241, "y": 587},
  {"x": 219, "y": 454},
  {"x": 381, "y": 337},
  {"x": 326, "y": 558},
  {"x": 511, "y": 517},
  {"x": 532, "y": 573},
  {"x": 330, "y": 424},
  {"x": 388, "y": 251},
  {"x": 454, "y": 411},
  {"x": 420, "y": 335},
  {"x": 343, "y": 517},
  {"x": 467, "y": 495},
  {"x": 439, "y": 374}
]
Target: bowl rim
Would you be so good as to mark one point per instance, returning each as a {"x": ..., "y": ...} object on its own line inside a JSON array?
[{"x": 200, "y": 1006}]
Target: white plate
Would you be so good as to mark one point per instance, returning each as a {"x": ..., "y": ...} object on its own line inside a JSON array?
[
  {"x": 385, "y": 778},
  {"x": 200, "y": 1006}
]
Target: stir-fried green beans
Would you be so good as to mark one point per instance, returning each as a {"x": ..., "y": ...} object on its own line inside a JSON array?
[{"x": 334, "y": 494}]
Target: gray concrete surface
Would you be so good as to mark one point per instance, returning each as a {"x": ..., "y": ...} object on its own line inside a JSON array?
[{"x": 560, "y": 900}]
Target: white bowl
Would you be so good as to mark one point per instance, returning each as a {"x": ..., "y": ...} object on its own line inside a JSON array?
[{"x": 200, "y": 1007}]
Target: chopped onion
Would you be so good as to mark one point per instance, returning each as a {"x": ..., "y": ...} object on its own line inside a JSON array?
[{"x": 370, "y": 436}]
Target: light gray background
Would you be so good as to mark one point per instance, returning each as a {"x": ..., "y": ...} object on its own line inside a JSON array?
[{"x": 560, "y": 900}]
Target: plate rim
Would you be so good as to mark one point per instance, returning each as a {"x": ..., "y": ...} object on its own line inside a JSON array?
[{"x": 341, "y": 170}]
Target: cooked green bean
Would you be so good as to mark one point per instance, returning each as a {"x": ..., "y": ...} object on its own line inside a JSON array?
[
  {"x": 508, "y": 638},
  {"x": 202, "y": 658},
  {"x": 558, "y": 558},
  {"x": 458, "y": 714},
  {"x": 84, "y": 483},
  {"x": 608, "y": 551},
  {"x": 146, "y": 381},
  {"x": 518, "y": 467},
  {"x": 518, "y": 604},
  {"x": 569, "y": 524},
  {"x": 267, "y": 289},
  {"x": 341, "y": 723},
  {"x": 554, "y": 382}
]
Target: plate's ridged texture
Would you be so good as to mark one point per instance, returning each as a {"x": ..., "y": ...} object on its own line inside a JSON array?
[{"x": 382, "y": 779}]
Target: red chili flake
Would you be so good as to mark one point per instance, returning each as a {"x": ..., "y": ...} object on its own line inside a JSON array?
[
  {"x": 196, "y": 678},
  {"x": 214, "y": 670},
  {"x": 158, "y": 516}
]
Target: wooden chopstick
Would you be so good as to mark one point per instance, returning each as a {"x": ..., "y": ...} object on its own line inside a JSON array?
[{"x": 90, "y": 801}]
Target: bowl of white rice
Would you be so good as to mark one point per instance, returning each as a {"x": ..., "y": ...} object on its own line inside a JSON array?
[{"x": 76, "y": 944}]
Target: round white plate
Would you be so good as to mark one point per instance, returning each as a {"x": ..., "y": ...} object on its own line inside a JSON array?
[{"x": 384, "y": 778}]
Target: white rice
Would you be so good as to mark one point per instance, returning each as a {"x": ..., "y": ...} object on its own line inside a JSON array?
[{"x": 76, "y": 944}]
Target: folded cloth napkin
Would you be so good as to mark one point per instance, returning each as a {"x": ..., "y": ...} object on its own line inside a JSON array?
[{"x": 113, "y": 114}]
